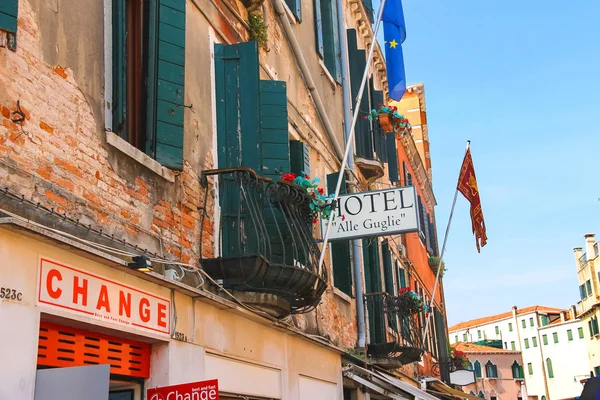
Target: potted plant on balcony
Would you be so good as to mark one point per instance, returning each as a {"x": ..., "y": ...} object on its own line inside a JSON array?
[
  {"x": 320, "y": 204},
  {"x": 458, "y": 359},
  {"x": 408, "y": 302},
  {"x": 434, "y": 263},
  {"x": 390, "y": 120}
]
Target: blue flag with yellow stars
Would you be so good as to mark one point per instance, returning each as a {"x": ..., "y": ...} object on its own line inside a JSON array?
[{"x": 394, "y": 34}]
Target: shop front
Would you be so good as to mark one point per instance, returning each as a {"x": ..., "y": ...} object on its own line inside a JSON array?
[{"x": 78, "y": 324}]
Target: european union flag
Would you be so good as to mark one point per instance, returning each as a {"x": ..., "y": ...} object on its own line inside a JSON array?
[{"x": 394, "y": 34}]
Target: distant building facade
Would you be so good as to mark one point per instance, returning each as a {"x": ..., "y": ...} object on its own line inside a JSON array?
[
  {"x": 549, "y": 339},
  {"x": 499, "y": 372}
]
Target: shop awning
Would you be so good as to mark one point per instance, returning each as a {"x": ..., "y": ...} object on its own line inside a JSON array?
[
  {"x": 447, "y": 391},
  {"x": 386, "y": 385}
]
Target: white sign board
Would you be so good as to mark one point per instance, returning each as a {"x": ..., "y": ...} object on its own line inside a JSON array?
[
  {"x": 74, "y": 290},
  {"x": 462, "y": 377},
  {"x": 378, "y": 213}
]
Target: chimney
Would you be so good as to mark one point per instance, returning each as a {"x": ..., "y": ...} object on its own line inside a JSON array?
[
  {"x": 514, "y": 311},
  {"x": 578, "y": 253},
  {"x": 573, "y": 312},
  {"x": 589, "y": 246}
]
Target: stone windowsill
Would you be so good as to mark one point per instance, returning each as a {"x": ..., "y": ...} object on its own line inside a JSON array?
[
  {"x": 139, "y": 156},
  {"x": 342, "y": 295},
  {"x": 327, "y": 74}
]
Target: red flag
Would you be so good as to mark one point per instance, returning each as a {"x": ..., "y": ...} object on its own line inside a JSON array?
[{"x": 467, "y": 185}]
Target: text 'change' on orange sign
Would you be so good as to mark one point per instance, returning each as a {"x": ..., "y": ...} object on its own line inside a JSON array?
[{"x": 205, "y": 390}]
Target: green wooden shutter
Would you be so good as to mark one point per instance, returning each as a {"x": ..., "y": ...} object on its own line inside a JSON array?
[
  {"x": 238, "y": 129},
  {"x": 274, "y": 130},
  {"x": 299, "y": 157},
  {"x": 331, "y": 39},
  {"x": 392, "y": 157},
  {"x": 358, "y": 63},
  {"x": 238, "y": 111},
  {"x": 388, "y": 269},
  {"x": 318, "y": 29},
  {"x": 373, "y": 285},
  {"x": 166, "y": 79},
  {"x": 401, "y": 276},
  {"x": 119, "y": 54},
  {"x": 8, "y": 21},
  {"x": 369, "y": 9},
  {"x": 340, "y": 250},
  {"x": 275, "y": 161},
  {"x": 295, "y": 7},
  {"x": 378, "y": 135}
]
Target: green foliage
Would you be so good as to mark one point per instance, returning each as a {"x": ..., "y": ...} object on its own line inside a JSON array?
[{"x": 258, "y": 29}]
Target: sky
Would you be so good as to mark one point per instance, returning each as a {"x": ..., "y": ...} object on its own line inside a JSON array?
[{"x": 521, "y": 80}]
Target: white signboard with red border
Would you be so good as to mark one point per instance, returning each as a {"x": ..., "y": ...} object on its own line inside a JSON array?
[{"x": 74, "y": 290}]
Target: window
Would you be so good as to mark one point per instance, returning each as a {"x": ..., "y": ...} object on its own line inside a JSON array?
[
  {"x": 569, "y": 335},
  {"x": 555, "y": 337},
  {"x": 340, "y": 250},
  {"x": 597, "y": 371},
  {"x": 534, "y": 341},
  {"x": 512, "y": 345},
  {"x": 464, "y": 337},
  {"x": 544, "y": 320},
  {"x": 470, "y": 366},
  {"x": 497, "y": 330},
  {"x": 327, "y": 37},
  {"x": 8, "y": 21},
  {"x": 580, "y": 331},
  {"x": 526, "y": 343},
  {"x": 531, "y": 322},
  {"x": 295, "y": 7},
  {"x": 477, "y": 367},
  {"x": 588, "y": 286},
  {"x": 148, "y": 49},
  {"x": 456, "y": 339},
  {"x": 402, "y": 279},
  {"x": 517, "y": 370},
  {"x": 594, "y": 322},
  {"x": 510, "y": 326},
  {"x": 493, "y": 398},
  {"x": 524, "y": 323},
  {"x": 480, "y": 394},
  {"x": 491, "y": 370},
  {"x": 505, "y": 345},
  {"x": 478, "y": 334},
  {"x": 530, "y": 368},
  {"x": 549, "y": 368},
  {"x": 582, "y": 292},
  {"x": 545, "y": 340}
]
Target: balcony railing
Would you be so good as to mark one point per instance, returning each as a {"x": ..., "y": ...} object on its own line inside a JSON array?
[
  {"x": 264, "y": 239},
  {"x": 393, "y": 333}
]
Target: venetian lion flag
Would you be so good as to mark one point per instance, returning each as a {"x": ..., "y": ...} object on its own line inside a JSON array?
[{"x": 467, "y": 185}]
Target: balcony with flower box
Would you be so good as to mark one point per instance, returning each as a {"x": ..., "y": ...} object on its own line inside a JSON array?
[
  {"x": 394, "y": 335},
  {"x": 264, "y": 252}
]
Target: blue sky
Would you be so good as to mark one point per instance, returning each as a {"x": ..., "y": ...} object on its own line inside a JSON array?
[{"x": 521, "y": 80}]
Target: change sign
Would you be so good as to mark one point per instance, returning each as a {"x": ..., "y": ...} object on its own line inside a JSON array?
[
  {"x": 205, "y": 390},
  {"x": 377, "y": 213}
]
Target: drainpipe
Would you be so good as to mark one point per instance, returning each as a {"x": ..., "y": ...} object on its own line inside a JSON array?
[
  {"x": 310, "y": 84},
  {"x": 356, "y": 253}
]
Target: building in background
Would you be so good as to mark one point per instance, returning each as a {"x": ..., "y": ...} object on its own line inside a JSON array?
[
  {"x": 588, "y": 308},
  {"x": 143, "y": 213},
  {"x": 499, "y": 373},
  {"x": 550, "y": 341}
]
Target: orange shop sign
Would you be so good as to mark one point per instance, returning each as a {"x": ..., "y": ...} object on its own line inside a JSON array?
[{"x": 71, "y": 289}]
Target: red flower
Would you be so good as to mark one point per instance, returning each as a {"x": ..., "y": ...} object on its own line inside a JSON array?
[
  {"x": 306, "y": 176},
  {"x": 343, "y": 217},
  {"x": 321, "y": 191},
  {"x": 289, "y": 177},
  {"x": 365, "y": 117}
]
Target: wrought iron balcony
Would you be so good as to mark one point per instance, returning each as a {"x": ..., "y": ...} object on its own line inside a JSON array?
[
  {"x": 264, "y": 241},
  {"x": 394, "y": 334}
]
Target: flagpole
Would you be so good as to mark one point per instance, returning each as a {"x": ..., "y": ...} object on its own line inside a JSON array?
[
  {"x": 350, "y": 136},
  {"x": 439, "y": 269}
]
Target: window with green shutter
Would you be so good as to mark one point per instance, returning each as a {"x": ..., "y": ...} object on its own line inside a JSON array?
[
  {"x": 534, "y": 341},
  {"x": 530, "y": 368},
  {"x": 510, "y": 326},
  {"x": 401, "y": 275},
  {"x": 555, "y": 337},
  {"x": 149, "y": 77},
  {"x": 588, "y": 286},
  {"x": 362, "y": 131},
  {"x": 373, "y": 284},
  {"x": 544, "y": 320},
  {"x": 545, "y": 340},
  {"x": 392, "y": 157},
  {"x": 512, "y": 345},
  {"x": 497, "y": 329},
  {"x": 387, "y": 267},
  {"x": 299, "y": 157},
  {"x": 295, "y": 7},
  {"x": 340, "y": 249},
  {"x": 464, "y": 337},
  {"x": 549, "y": 368},
  {"x": 580, "y": 331},
  {"x": 327, "y": 36},
  {"x": 531, "y": 322},
  {"x": 8, "y": 21},
  {"x": 569, "y": 335},
  {"x": 526, "y": 343},
  {"x": 478, "y": 334},
  {"x": 524, "y": 323}
]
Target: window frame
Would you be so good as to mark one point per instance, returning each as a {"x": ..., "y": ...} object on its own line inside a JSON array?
[
  {"x": 534, "y": 341},
  {"x": 555, "y": 337},
  {"x": 526, "y": 341},
  {"x": 530, "y": 369},
  {"x": 549, "y": 369},
  {"x": 545, "y": 339},
  {"x": 524, "y": 323},
  {"x": 513, "y": 345},
  {"x": 491, "y": 370},
  {"x": 580, "y": 332},
  {"x": 569, "y": 335},
  {"x": 477, "y": 368},
  {"x": 510, "y": 327}
]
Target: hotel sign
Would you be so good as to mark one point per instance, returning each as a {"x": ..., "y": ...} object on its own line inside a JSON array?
[
  {"x": 377, "y": 213},
  {"x": 73, "y": 290}
]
